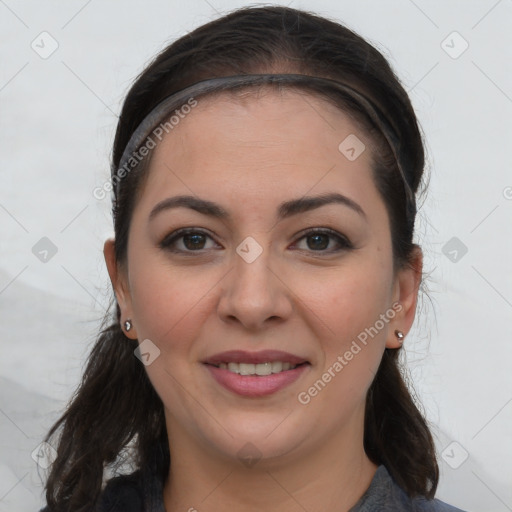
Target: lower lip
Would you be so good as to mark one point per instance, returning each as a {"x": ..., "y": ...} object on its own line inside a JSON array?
[{"x": 256, "y": 385}]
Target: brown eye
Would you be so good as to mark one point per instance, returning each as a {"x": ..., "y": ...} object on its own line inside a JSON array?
[
  {"x": 186, "y": 240},
  {"x": 194, "y": 241},
  {"x": 318, "y": 240}
]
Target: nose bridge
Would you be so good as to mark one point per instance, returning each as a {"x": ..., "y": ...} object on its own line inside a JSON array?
[
  {"x": 253, "y": 293},
  {"x": 252, "y": 281}
]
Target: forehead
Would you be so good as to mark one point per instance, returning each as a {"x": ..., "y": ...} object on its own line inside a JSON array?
[
  {"x": 261, "y": 144},
  {"x": 267, "y": 115}
]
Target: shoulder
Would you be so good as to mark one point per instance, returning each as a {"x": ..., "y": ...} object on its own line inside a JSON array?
[
  {"x": 435, "y": 505},
  {"x": 122, "y": 493},
  {"x": 385, "y": 495},
  {"x": 422, "y": 504}
]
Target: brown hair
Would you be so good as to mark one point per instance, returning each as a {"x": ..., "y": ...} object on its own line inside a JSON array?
[{"x": 115, "y": 407}]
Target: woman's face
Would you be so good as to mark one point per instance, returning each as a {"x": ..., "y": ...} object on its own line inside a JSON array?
[{"x": 255, "y": 287}]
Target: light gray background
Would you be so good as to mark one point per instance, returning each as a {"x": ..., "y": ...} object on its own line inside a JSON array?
[{"x": 57, "y": 121}]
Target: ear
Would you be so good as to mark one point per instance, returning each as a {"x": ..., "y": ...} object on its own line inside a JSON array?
[
  {"x": 405, "y": 292},
  {"x": 119, "y": 281}
]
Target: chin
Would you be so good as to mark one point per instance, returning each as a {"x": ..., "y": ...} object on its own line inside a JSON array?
[{"x": 267, "y": 439}]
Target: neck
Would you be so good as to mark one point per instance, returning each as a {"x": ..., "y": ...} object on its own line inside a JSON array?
[{"x": 332, "y": 477}]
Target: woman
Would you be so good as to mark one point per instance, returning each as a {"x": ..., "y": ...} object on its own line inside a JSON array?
[{"x": 264, "y": 172}]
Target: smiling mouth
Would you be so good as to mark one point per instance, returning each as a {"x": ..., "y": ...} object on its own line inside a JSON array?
[{"x": 258, "y": 369}]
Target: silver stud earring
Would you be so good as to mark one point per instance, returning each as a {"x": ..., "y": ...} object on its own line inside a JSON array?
[
  {"x": 400, "y": 336},
  {"x": 128, "y": 325}
]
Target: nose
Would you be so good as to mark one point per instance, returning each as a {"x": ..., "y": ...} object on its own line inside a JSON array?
[{"x": 255, "y": 295}]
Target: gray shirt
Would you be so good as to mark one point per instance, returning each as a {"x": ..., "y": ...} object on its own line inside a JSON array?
[{"x": 385, "y": 495}]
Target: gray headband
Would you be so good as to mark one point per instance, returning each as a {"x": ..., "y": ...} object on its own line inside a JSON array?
[{"x": 151, "y": 127}]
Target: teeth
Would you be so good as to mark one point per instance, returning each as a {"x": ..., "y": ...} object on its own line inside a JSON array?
[
  {"x": 257, "y": 369},
  {"x": 246, "y": 369},
  {"x": 263, "y": 368},
  {"x": 277, "y": 367}
]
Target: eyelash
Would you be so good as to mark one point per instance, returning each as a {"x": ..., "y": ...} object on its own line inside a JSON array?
[{"x": 168, "y": 241}]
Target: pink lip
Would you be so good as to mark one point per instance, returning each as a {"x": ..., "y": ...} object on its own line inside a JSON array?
[
  {"x": 264, "y": 356},
  {"x": 255, "y": 385}
]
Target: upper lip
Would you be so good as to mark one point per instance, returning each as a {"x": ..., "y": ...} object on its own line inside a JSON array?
[{"x": 263, "y": 356}]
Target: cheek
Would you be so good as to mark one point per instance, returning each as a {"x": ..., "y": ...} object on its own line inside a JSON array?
[
  {"x": 171, "y": 304},
  {"x": 348, "y": 309},
  {"x": 346, "y": 300},
  {"x": 348, "y": 305},
  {"x": 171, "y": 307}
]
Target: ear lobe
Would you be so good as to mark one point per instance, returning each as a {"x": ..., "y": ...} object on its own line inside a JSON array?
[
  {"x": 406, "y": 287},
  {"x": 117, "y": 277}
]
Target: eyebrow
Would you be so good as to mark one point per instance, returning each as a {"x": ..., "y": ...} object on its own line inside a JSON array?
[{"x": 285, "y": 210}]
